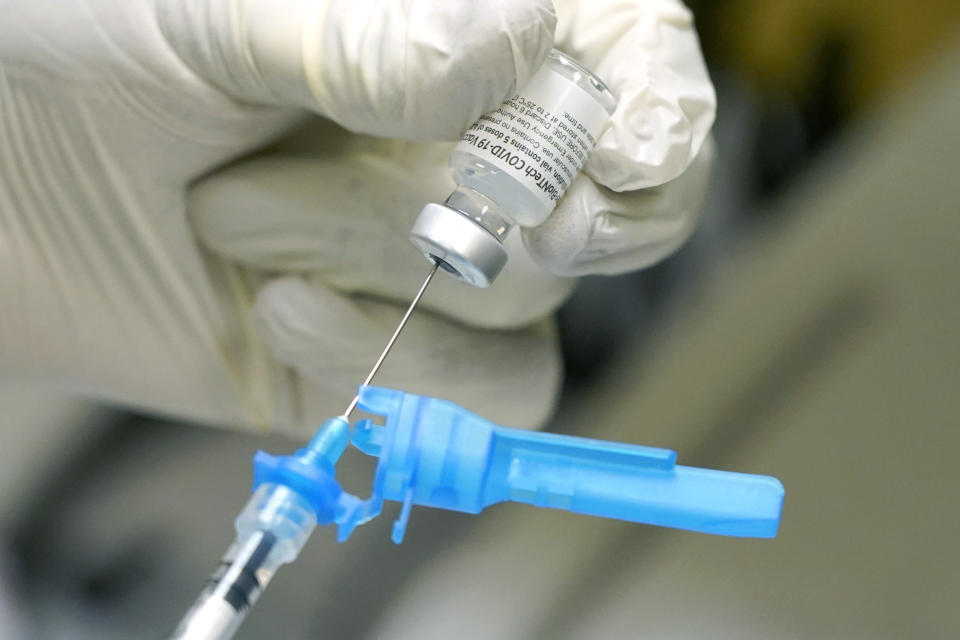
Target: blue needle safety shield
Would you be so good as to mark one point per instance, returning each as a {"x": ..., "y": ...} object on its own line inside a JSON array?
[{"x": 433, "y": 453}]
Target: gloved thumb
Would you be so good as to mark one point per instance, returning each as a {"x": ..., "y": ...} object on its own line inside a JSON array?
[{"x": 416, "y": 70}]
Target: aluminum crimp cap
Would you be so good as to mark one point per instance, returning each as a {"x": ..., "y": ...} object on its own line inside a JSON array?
[{"x": 468, "y": 251}]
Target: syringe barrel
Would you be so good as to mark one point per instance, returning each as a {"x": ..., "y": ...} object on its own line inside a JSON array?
[
  {"x": 271, "y": 530},
  {"x": 290, "y": 494},
  {"x": 209, "y": 619},
  {"x": 284, "y": 514},
  {"x": 232, "y": 589}
]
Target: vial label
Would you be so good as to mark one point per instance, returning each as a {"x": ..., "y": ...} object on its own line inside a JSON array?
[{"x": 542, "y": 136}]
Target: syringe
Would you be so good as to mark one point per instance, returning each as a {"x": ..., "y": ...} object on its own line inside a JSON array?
[
  {"x": 271, "y": 530},
  {"x": 274, "y": 524},
  {"x": 231, "y": 590}
]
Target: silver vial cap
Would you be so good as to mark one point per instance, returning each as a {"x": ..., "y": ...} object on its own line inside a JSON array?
[{"x": 468, "y": 252}]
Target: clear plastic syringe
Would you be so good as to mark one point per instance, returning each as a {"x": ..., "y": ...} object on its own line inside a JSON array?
[
  {"x": 273, "y": 526},
  {"x": 271, "y": 531}
]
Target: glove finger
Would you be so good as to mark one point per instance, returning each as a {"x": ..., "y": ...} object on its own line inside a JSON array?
[
  {"x": 595, "y": 230},
  {"x": 648, "y": 53},
  {"x": 331, "y": 340},
  {"x": 344, "y": 214},
  {"x": 412, "y": 70}
]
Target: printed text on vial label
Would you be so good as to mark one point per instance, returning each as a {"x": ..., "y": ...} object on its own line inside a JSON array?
[
  {"x": 542, "y": 135},
  {"x": 549, "y": 149}
]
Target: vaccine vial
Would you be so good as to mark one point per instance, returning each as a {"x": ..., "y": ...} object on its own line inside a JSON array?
[{"x": 512, "y": 165}]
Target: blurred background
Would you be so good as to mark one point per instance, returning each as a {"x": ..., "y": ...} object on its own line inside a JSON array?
[{"x": 810, "y": 330}]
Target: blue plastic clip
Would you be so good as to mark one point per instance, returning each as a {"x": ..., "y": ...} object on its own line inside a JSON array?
[{"x": 436, "y": 454}]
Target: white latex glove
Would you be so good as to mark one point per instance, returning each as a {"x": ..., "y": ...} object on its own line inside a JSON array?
[
  {"x": 638, "y": 197},
  {"x": 109, "y": 110}
]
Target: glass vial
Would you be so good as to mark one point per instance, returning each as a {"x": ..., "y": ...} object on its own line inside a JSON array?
[{"x": 512, "y": 165}]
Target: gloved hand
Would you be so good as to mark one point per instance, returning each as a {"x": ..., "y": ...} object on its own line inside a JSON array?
[{"x": 264, "y": 299}]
